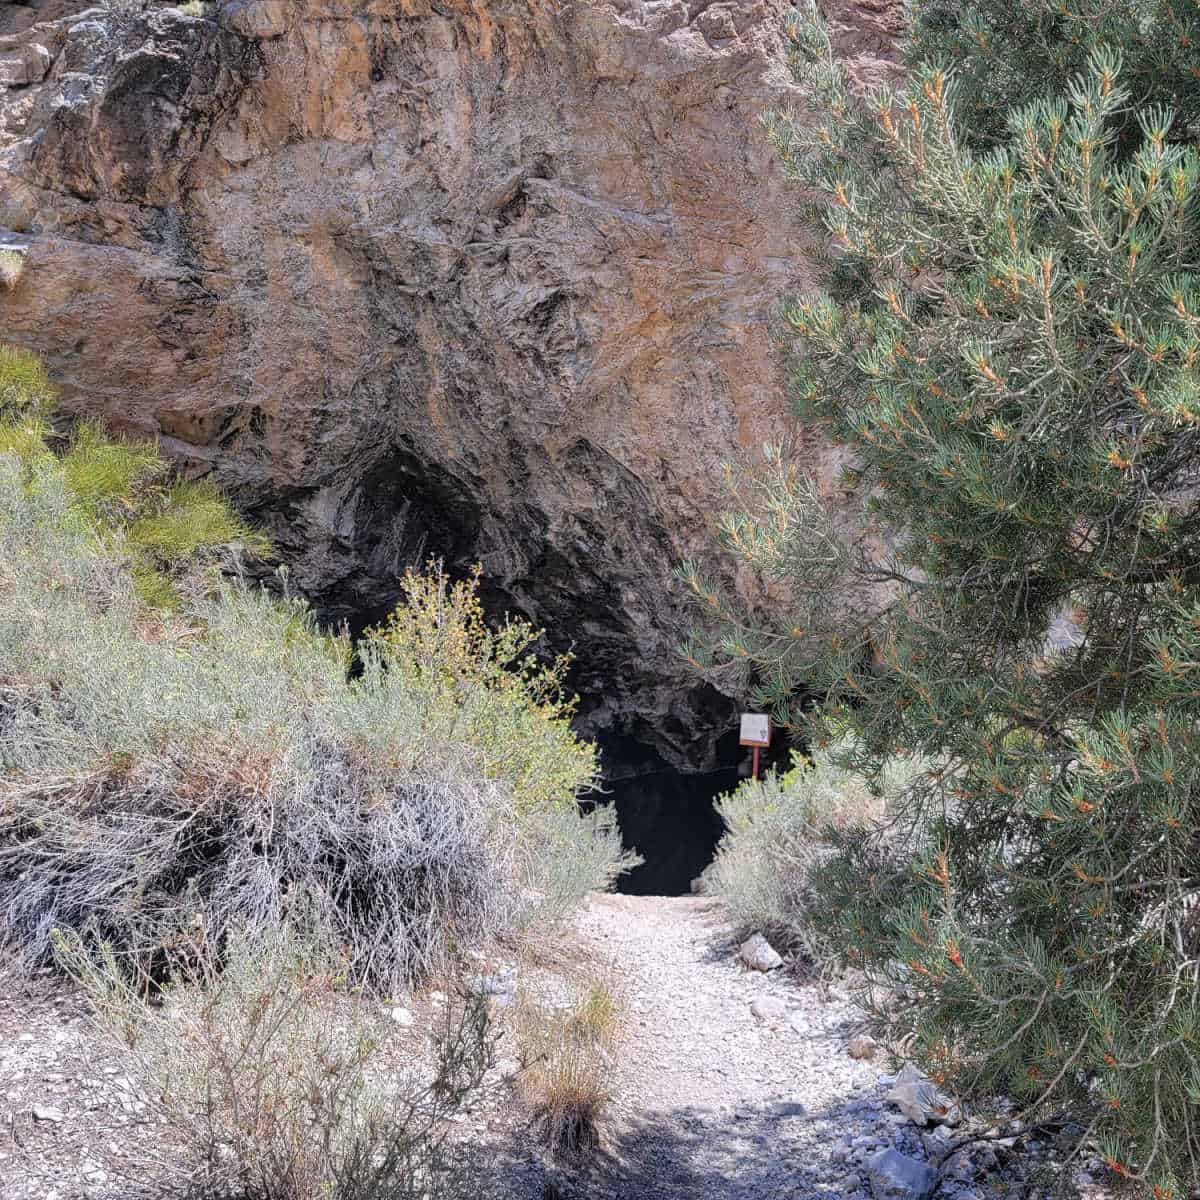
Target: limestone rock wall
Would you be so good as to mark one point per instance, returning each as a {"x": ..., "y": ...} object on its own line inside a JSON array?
[{"x": 486, "y": 279}]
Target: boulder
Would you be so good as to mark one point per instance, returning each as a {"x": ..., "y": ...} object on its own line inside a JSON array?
[
  {"x": 757, "y": 953},
  {"x": 28, "y": 64},
  {"x": 896, "y": 1176}
]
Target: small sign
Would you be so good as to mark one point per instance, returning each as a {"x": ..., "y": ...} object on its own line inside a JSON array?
[{"x": 756, "y": 730}]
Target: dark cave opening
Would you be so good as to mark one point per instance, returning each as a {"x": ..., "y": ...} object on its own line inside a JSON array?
[
  {"x": 409, "y": 512},
  {"x": 669, "y": 816}
]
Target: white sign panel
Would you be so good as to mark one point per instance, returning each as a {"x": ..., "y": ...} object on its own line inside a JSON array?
[{"x": 756, "y": 730}]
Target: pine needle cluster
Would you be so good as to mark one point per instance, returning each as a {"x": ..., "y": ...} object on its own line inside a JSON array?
[{"x": 1008, "y": 346}]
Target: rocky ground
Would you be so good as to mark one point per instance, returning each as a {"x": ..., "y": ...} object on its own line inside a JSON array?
[
  {"x": 739, "y": 1084},
  {"x": 731, "y": 1084}
]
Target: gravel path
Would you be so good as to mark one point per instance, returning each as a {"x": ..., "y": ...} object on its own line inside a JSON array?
[
  {"x": 712, "y": 1100},
  {"x": 728, "y": 1085}
]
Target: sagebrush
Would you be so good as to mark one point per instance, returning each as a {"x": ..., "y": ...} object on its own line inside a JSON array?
[
  {"x": 277, "y": 1082},
  {"x": 183, "y": 754},
  {"x": 778, "y": 830},
  {"x": 488, "y": 686}
]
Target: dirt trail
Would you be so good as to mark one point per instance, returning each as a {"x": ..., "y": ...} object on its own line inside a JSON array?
[{"x": 714, "y": 1101}]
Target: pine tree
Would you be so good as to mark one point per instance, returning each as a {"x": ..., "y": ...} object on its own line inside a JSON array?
[{"x": 1007, "y": 346}]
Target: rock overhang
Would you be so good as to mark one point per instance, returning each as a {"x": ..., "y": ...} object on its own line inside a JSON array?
[{"x": 485, "y": 282}]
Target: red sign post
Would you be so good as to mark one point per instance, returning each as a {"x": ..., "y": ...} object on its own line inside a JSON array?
[{"x": 756, "y": 732}]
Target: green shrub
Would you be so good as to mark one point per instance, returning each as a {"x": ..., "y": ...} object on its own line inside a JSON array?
[
  {"x": 487, "y": 687},
  {"x": 483, "y": 688},
  {"x": 1006, "y": 349},
  {"x": 278, "y": 1083},
  {"x": 171, "y": 533},
  {"x": 169, "y": 775},
  {"x": 779, "y": 830},
  {"x": 563, "y": 855},
  {"x": 25, "y": 388},
  {"x": 12, "y": 267}
]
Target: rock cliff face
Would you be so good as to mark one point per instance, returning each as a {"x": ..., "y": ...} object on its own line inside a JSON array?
[{"x": 485, "y": 279}]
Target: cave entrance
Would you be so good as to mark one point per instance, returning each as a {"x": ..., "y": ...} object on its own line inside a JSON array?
[
  {"x": 670, "y": 819},
  {"x": 669, "y": 816}
]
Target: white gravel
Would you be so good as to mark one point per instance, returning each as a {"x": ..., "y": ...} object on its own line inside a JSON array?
[{"x": 713, "y": 1101}]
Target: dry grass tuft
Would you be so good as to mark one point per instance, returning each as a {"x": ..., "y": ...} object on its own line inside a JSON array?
[
  {"x": 596, "y": 1018},
  {"x": 277, "y": 1079},
  {"x": 567, "y": 1056}
]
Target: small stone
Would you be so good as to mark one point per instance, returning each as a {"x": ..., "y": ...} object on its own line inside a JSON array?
[
  {"x": 803, "y": 1022},
  {"x": 402, "y": 1017},
  {"x": 697, "y": 886},
  {"x": 790, "y": 1108},
  {"x": 503, "y": 983},
  {"x": 895, "y": 1176},
  {"x": 768, "y": 1008},
  {"x": 959, "y": 1167},
  {"x": 862, "y": 1046},
  {"x": 757, "y": 954},
  {"x": 53, "y": 1115}
]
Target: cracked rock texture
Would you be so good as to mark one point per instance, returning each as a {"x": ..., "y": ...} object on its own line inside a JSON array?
[{"x": 486, "y": 279}]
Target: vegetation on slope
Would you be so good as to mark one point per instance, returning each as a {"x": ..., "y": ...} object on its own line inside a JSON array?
[
  {"x": 199, "y": 804},
  {"x": 1008, "y": 345},
  {"x": 183, "y": 757}
]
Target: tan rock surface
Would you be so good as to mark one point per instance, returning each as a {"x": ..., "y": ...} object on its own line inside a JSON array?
[{"x": 490, "y": 280}]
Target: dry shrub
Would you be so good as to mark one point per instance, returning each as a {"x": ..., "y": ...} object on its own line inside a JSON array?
[
  {"x": 164, "y": 857},
  {"x": 567, "y": 1057},
  {"x": 279, "y": 1083},
  {"x": 182, "y": 753}
]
